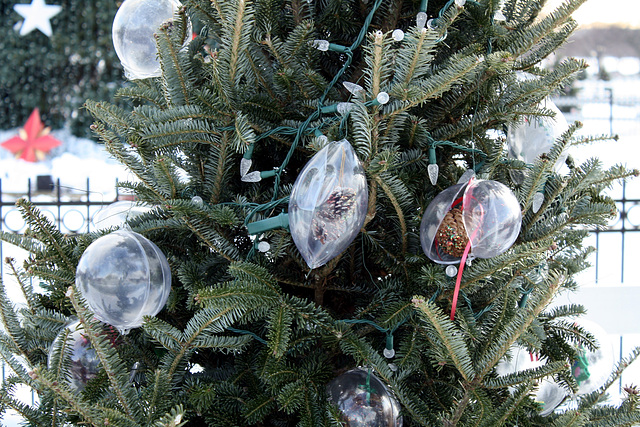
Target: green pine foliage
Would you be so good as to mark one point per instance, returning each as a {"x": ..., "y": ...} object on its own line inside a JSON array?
[
  {"x": 57, "y": 74},
  {"x": 253, "y": 338}
]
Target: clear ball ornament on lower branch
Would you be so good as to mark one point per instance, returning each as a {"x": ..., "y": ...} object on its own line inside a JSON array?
[
  {"x": 123, "y": 276},
  {"x": 363, "y": 400},
  {"x": 83, "y": 364}
]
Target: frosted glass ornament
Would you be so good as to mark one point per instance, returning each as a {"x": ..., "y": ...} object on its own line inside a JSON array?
[
  {"x": 364, "y": 400},
  {"x": 116, "y": 214},
  {"x": 528, "y": 141},
  {"x": 596, "y": 366},
  {"x": 83, "y": 363},
  {"x": 549, "y": 393},
  {"x": 133, "y": 31},
  {"x": 124, "y": 276},
  {"x": 483, "y": 212},
  {"x": 328, "y": 203}
]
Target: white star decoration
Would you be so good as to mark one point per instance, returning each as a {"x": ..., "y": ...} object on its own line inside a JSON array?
[{"x": 36, "y": 16}]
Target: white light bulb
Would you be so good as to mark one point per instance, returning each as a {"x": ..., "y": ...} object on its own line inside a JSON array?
[
  {"x": 344, "y": 107},
  {"x": 433, "y": 170},
  {"x": 431, "y": 24},
  {"x": 322, "y": 140},
  {"x": 388, "y": 353},
  {"x": 353, "y": 88},
  {"x": 264, "y": 247},
  {"x": 460, "y": 3},
  {"x": 197, "y": 200},
  {"x": 421, "y": 20},
  {"x": 322, "y": 45},
  {"x": 451, "y": 270},
  {"x": 382, "y": 98},
  {"x": 398, "y": 35},
  {"x": 252, "y": 177},
  {"x": 245, "y": 165},
  {"x": 536, "y": 204},
  {"x": 499, "y": 16}
]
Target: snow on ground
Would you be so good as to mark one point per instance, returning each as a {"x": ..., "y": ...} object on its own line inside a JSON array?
[{"x": 73, "y": 162}]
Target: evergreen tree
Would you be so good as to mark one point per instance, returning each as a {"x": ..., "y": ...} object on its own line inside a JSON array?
[
  {"x": 57, "y": 74},
  {"x": 253, "y": 338}
]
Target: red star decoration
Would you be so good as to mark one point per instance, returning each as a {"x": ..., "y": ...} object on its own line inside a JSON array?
[{"x": 33, "y": 140}]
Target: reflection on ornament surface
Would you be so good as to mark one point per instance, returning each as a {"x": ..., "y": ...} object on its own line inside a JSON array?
[
  {"x": 528, "y": 141},
  {"x": 133, "y": 31},
  {"x": 328, "y": 203},
  {"x": 593, "y": 368},
  {"x": 549, "y": 394},
  {"x": 84, "y": 365},
  {"x": 364, "y": 400},
  {"x": 117, "y": 213},
  {"x": 482, "y": 213},
  {"x": 124, "y": 276}
]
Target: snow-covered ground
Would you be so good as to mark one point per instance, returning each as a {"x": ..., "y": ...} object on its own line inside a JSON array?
[{"x": 78, "y": 159}]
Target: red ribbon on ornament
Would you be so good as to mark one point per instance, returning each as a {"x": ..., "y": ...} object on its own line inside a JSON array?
[{"x": 465, "y": 254}]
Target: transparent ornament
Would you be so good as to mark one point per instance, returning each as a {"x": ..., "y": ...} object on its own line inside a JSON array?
[
  {"x": 124, "y": 276},
  {"x": 594, "y": 367},
  {"x": 466, "y": 176},
  {"x": 328, "y": 203},
  {"x": 528, "y": 141},
  {"x": 133, "y": 31},
  {"x": 483, "y": 212},
  {"x": 83, "y": 363},
  {"x": 116, "y": 214},
  {"x": 397, "y": 35},
  {"x": 549, "y": 393},
  {"x": 364, "y": 400},
  {"x": 197, "y": 200}
]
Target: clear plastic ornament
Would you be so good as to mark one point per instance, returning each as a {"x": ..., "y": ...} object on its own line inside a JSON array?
[
  {"x": 133, "y": 31},
  {"x": 549, "y": 393},
  {"x": 116, "y": 214},
  {"x": 594, "y": 367},
  {"x": 364, "y": 400},
  {"x": 328, "y": 203},
  {"x": 124, "y": 276},
  {"x": 528, "y": 141},
  {"x": 83, "y": 363},
  {"x": 483, "y": 212}
]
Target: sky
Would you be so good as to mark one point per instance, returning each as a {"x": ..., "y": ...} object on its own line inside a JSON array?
[{"x": 607, "y": 12}]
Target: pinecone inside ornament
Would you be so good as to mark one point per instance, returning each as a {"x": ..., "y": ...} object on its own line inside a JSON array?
[
  {"x": 451, "y": 237},
  {"x": 484, "y": 214}
]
